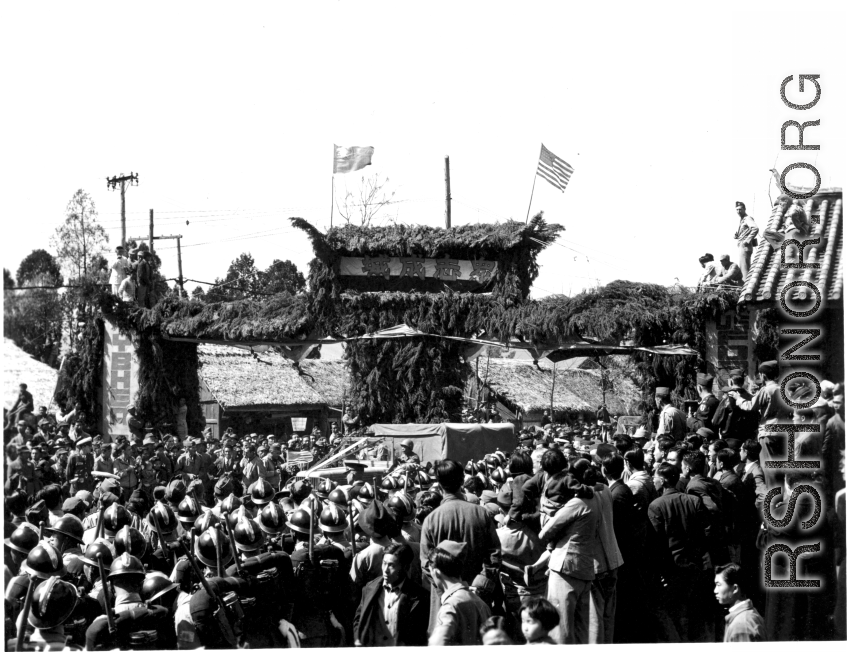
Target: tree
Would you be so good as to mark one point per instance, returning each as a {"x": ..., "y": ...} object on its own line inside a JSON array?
[
  {"x": 282, "y": 276},
  {"x": 81, "y": 237},
  {"x": 198, "y": 293},
  {"x": 243, "y": 280},
  {"x": 8, "y": 281},
  {"x": 39, "y": 268},
  {"x": 369, "y": 199}
]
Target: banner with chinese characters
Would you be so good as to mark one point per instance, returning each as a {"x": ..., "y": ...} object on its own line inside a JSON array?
[
  {"x": 412, "y": 272},
  {"x": 119, "y": 381}
]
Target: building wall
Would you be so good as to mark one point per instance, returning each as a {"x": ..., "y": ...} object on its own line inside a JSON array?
[{"x": 729, "y": 345}]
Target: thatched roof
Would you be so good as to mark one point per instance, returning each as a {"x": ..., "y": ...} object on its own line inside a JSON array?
[
  {"x": 20, "y": 367},
  {"x": 523, "y": 385},
  {"x": 237, "y": 378}
]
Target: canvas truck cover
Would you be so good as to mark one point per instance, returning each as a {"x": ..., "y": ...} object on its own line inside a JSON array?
[{"x": 455, "y": 441}]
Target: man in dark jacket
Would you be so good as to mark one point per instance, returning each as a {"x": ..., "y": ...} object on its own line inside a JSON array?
[
  {"x": 394, "y": 610},
  {"x": 458, "y": 520},
  {"x": 143, "y": 280},
  {"x": 682, "y": 527}
]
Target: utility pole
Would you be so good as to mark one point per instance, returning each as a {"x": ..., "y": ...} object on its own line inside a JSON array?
[
  {"x": 178, "y": 239},
  {"x": 122, "y": 181},
  {"x": 447, "y": 189},
  {"x": 150, "y": 240}
]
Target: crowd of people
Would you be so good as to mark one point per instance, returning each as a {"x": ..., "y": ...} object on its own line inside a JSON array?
[{"x": 652, "y": 535}]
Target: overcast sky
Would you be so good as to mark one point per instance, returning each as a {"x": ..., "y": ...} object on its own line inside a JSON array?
[{"x": 228, "y": 112}]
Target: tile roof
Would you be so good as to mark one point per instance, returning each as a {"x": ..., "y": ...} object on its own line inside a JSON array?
[{"x": 766, "y": 280}]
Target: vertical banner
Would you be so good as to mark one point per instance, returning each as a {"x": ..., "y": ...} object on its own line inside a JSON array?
[
  {"x": 729, "y": 346},
  {"x": 119, "y": 381}
]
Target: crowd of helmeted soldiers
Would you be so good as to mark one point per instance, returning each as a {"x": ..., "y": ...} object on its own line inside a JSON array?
[{"x": 652, "y": 537}]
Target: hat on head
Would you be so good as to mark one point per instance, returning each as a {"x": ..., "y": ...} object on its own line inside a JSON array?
[
  {"x": 706, "y": 432},
  {"x": 663, "y": 391},
  {"x": 453, "y": 548},
  {"x": 355, "y": 465},
  {"x": 703, "y": 379},
  {"x": 487, "y": 496},
  {"x": 71, "y": 504},
  {"x": 85, "y": 441},
  {"x": 376, "y": 521},
  {"x": 724, "y": 257},
  {"x": 769, "y": 366},
  {"x": 640, "y": 433},
  {"x": 407, "y": 443},
  {"x": 740, "y": 203},
  {"x": 706, "y": 258}
]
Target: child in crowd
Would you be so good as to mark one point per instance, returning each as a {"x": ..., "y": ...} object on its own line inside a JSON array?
[
  {"x": 538, "y": 618},
  {"x": 493, "y": 632}
]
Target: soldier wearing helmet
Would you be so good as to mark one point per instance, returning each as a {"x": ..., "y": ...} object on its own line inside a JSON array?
[
  {"x": 334, "y": 525},
  {"x": 401, "y": 505},
  {"x": 66, "y": 536},
  {"x": 138, "y": 625},
  {"x": 53, "y": 602}
]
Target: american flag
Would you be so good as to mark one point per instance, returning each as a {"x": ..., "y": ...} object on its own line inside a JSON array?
[{"x": 554, "y": 169}]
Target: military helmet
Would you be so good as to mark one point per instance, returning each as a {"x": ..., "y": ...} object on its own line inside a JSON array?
[
  {"x": 156, "y": 584},
  {"x": 325, "y": 487},
  {"x": 44, "y": 561},
  {"x": 241, "y": 512},
  {"x": 498, "y": 475},
  {"x": 211, "y": 544},
  {"x": 366, "y": 494},
  {"x": 204, "y": 522},
  {"x": 114, "y": 518},
  {"x": 501, "y": 456},
  {"x": 164, "y": 515},
  {"x": 312, "y": 503},
  {"x": 24, "y": 538},
  {"x": 261, "y": 492},
  {"x": 126, "y": 564},
  {"x": 230, "y": 504},
  {"x": 130, "y": 540},
  {"x": 272, "y": 519},
  {"x": 247, "y": 534},
  {"x": 492, "y": 461},
  {"x": 469, "y": 468},
  {"x": 53, "y": 602},
  {"x": 69, "y": 525},
  {"x": 333, "y": 518},
  {"x": 101, "y": 547},
  {"x": 188, "y": 511},
  {"x": 300, "y": 521},
  {"x": 338, "y": 496},
  {"x": 401, "y": 505},
  {"x": 479, "y": 466},
  {"x": 400, "y": 480},
  {"x": 388, "y": 484},
  {"x": 424, "y": 480}
]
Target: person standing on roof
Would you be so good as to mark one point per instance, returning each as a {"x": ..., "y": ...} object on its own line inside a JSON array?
[{"x": 745, "y": 235}]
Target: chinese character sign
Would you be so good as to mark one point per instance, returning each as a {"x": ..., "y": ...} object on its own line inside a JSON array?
[
  {"x": 119, "y": 381},
  {"x": 446, "y": 270}
]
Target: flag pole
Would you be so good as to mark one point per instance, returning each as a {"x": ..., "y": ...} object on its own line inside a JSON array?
[
  {"x": 332, "y": 203},
  {"x": 530, "y": 196}
]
